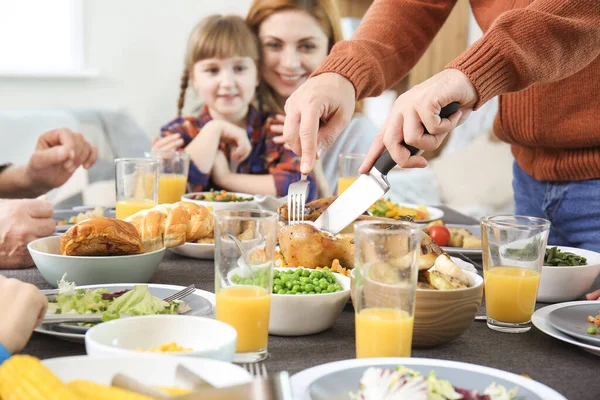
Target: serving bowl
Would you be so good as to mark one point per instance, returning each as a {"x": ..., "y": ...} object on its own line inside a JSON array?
[
  {"x": 568, "y": 283},
  {"x": 441, "y": 316},
  {"x": 307, "y": 314},
  {"x": 223, "y": 205},
  {"x": 207, "y": 337},
  {"x": 137, "y": 268}
]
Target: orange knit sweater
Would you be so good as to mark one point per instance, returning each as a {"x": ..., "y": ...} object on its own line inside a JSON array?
[{"x": 541, "y": 57}]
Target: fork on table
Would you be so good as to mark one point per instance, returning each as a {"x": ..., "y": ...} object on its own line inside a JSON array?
[{"x": 297, "y": 194}]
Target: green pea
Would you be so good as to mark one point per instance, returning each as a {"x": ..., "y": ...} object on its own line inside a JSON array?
[
  {"x": 592, "y": 330},
  {"x": 277, "y": 288},
  {"x": 294, "y": 290},
  {"x": 284, "y": 278},
  {"x": 315, "y": 282},
  {"x": 309, "y": 287},
  {"x": 288, "y": 284},
  {"x": 318, "y": 274},
  {"x": 277, "y": 281},
  {"x": 312, "y": 292},
  {"x": 296, "y": 287},
  {"x": 304, "y": 279},
  {"x": 318, "y": 290},
  {"x": 306, "y": 273},
  {"x": 281, "y": 291},
  {"x": 323, "y": 285}
]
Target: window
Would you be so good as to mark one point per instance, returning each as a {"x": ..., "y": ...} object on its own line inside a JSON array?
[{"x": 40, "y": 37}]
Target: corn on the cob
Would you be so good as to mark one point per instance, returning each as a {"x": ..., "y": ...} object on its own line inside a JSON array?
[
  {"x": 25, "y": 378},
  {"x": 92, "y": 391}
]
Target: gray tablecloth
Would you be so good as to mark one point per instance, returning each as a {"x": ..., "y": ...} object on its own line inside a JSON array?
[{"x": 566, "y": 368}]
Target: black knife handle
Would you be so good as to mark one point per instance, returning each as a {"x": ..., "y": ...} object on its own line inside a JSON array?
[{"x": 385, "y": 163}]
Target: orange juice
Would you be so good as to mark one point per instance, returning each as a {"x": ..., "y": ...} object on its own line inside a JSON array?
[
  {"x": 510, "y": 293},
  {"x": 383, "y": 332},
  {"x": 125, "y": 208},
  {"x": 171, "y": 187},
  {"x": 246, "y": 308},
  {"x": 344, "y": 182}
]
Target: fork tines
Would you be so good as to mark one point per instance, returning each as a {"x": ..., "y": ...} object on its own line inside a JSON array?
[
  {"x": 297, "y": 193},
  {"x": 257, "y": 370},
  {"x": 181, "y": 294}
]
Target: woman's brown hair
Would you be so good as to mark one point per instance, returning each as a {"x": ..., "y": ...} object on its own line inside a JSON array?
[
  {"x": 326, "y": 12},
  {"x": 217, "y": 36}
]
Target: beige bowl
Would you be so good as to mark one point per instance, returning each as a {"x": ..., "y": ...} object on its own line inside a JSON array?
[{"x": 441, "y": 315}]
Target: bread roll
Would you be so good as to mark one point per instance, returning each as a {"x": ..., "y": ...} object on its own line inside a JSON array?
[
  {"x": 101, "y": 237},
  {"x": 170, "y": 225}
]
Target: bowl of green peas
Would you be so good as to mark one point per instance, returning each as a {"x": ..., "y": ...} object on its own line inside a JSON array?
[
  {"x": 567, "y": 274},
  {"x": 306, "y": 301}
]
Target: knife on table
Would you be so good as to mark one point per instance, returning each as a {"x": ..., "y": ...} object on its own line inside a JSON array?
[{"x": 367, "y": 189}]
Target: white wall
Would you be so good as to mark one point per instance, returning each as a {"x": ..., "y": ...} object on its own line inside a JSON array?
[{"x": 137, "y": 47}]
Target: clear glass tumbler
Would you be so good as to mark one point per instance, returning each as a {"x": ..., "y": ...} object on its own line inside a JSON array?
[
  {"x": 173, "y": 174},
  {"x": 136, "y": 181},
  {"x": 348, "y": 164}
]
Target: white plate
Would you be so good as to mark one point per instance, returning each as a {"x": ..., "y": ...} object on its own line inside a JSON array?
[
  {"x": 203, "y": 251},
  {"x": 160, "y": 373},
  {"x": 540, "y": 321},
  {"x": 434, "y": 213},
  {"x": 77, "y": 333},
  {"x": 475, "y": 230},
  {"x": 334, "y": 380}
]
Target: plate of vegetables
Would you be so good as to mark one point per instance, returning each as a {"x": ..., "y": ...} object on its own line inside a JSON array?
[
  {"x": 222, "y": 200},
  {"x": 579, "y": 321},
  {"x": 419, "y": 212}
]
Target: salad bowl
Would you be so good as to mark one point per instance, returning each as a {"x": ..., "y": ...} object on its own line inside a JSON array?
[
  {"x": 239, "y": 201},
  {"x": 137, "y": 268}
]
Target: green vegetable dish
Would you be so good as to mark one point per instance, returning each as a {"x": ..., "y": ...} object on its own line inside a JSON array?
[
  {"x": 298, "y": 281},
  {"x": 557, "y": 258},
  {"x": 221, "y": 196}
]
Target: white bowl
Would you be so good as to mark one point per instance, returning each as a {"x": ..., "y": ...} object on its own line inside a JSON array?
[
  {"x": 568, "y": 283},
  {"x": 137, "y": 268},
  {"x": 218, "y": 205},
  {"x": 306, "y": 314},
  {"x": 207, "y": 337}
]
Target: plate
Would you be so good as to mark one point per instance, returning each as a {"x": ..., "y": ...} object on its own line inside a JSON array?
[
  {"x": 572, "y": 320},
  {"x": 61, "y": 215},
  {"x": 540, "y": 320},
  {"x": 203, "y": 251},
  {"x": 201, "y": 302},
  {"x": 161, "y": 373},
  {"x": 475, "y": 230},
  {"x": 434, "y": 213},
  {"x": 333, "y": 381}
]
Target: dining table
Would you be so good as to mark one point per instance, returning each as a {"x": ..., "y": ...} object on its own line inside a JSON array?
[{"x": 566, "y": 368}]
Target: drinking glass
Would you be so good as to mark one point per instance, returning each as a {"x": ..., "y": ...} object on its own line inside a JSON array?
[
  {"x": 173, "y": 174},
  {"x": 386, "y": 264},
  {"x": 244, "y": 282},
  {"x": 348, "y": 170},
  {"x": 136, "y": 181},
  {"x": 514, "y": 247}
]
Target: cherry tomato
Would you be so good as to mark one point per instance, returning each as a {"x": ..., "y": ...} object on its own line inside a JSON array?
[{"x": 440, "y": 235}]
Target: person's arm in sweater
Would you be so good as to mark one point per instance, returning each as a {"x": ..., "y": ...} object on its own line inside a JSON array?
[{"x": 543, "y": 42}]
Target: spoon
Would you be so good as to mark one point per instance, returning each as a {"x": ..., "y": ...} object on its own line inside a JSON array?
[{"x": 242, "y": 250}]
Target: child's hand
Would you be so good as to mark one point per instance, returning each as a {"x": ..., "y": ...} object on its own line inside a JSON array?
[
  {"x": 238, "y": 138},
  {"x": 220, "y": 170},
  {"x": 167, "y": 143}
]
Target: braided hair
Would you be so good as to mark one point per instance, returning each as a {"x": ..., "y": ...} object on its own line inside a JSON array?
[{"x": 185, "y": 79}]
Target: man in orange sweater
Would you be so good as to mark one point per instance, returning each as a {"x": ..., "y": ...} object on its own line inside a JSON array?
[{"x": 541, "y": 57}]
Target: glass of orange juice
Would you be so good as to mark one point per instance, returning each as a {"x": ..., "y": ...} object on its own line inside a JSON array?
[
  {"x": 348, "y": 170},
  {"x": 386, "y": 265},
  {"x": 173, "y": 174},
  {"x": 244, "y": 277},
  {"x": 136, "y": 185},
  {"x": 513, "y": 247}
]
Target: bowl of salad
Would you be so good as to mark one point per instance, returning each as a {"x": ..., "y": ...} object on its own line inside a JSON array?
[
  {"x": 567, "y": 274},
  {"x": 222, "y": 200}
]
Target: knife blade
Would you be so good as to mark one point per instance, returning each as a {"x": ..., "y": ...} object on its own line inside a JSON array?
[{"x": 367, "y": 189}]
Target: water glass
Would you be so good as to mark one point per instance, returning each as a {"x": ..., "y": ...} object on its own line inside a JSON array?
[
  {"x": 386, "y": 265},
  {"x": 244, "y": 282},
  {"x": 348, "y": 164},
  {"x": 514, "y": 247},
  {"x": 136, "y": 181},
  {"x": 173, "y": 174}
]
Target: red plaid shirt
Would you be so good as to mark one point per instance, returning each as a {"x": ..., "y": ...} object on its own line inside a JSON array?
[{"x": 266, "y": 157}]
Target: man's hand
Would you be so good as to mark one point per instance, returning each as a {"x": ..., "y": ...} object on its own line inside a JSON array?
[
  {"x": 22, "y": 308},
  {"x": 316, "y": 114},
  {"x": 421, "y": 105},
  {"x": 57, "y": 155},
  {"x": 22, "y": 221}
]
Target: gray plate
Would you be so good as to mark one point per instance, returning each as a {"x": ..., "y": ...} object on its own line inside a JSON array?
[
  {"x": 475, "y": 230},
  {"x": 572, "y": 320},
  {"x": 198, "y": 303},
  {"x": 337, "y": 385},
  {"x": 61, "y": 215}
]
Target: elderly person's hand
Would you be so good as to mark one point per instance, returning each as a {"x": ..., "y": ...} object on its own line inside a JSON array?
[
  {"x": 22, "y": 221},
  {"x": 57, "y": 154},
  {"x": 22, "y": 308}
]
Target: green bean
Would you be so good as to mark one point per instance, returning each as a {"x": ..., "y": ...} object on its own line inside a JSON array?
[{"x": 557, "y": 258}]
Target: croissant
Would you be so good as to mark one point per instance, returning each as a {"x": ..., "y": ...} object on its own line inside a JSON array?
[
  {"x": 101, "y": 237},
  {"x": 170, "y": 225}
]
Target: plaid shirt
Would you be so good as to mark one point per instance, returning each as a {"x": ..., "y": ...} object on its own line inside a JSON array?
[{"x": 266, "y": 157}]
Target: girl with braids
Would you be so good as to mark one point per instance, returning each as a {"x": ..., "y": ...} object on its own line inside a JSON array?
[{"x": 229, "y": 142}]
